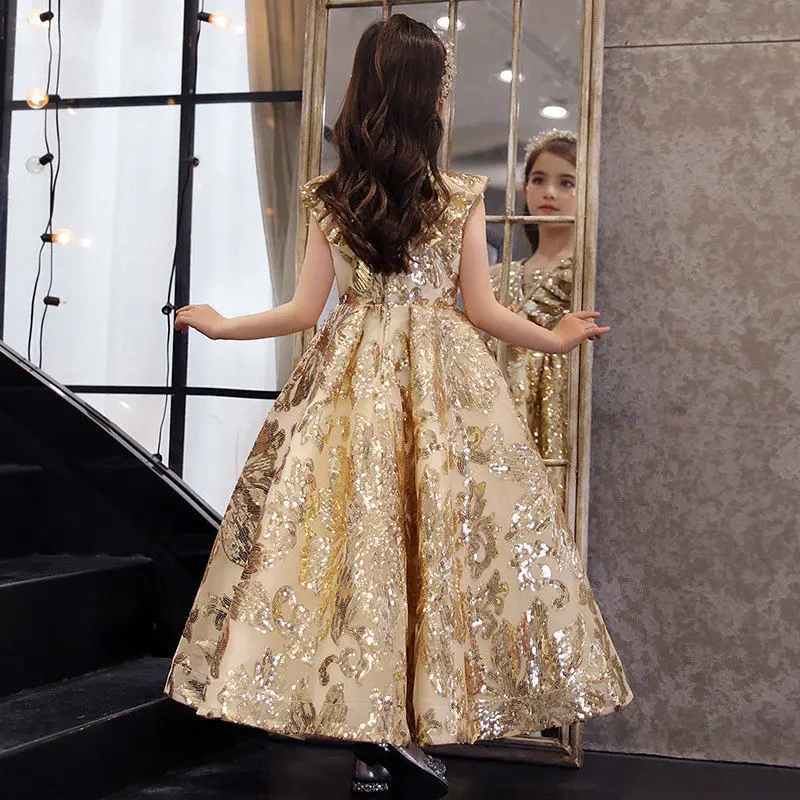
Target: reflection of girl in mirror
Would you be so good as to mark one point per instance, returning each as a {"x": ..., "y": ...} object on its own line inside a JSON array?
[
  {"x": 393, "y": 568},
  {"x": 540, "y": 287}
]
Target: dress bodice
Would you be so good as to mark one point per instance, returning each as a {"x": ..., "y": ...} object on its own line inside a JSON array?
[
  {"x": 433, "y": 273},
  {"x": 550, "y": 290}
]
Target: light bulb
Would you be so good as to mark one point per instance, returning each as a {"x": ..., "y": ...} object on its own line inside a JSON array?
[
  {"x": 35, "y": 20},
  {"x": 63, "y": 236},
  {"x": 36, "y": 164},
  {"x": 37, "y": 98},
  {"x": 444, "y": 23},
  {"x": 220, "y": 20},
  {"x": 506, "y": 75},
  {"x": 553, "y": 112}
]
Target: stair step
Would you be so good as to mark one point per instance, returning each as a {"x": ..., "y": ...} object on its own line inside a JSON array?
[
  {"x": 192, "y": 544},
  {"x": 36, "y": 715},
  {"x": 22, "y": 488},
  {"x": 63, "y": 615},
  {"x": 101, "y": 732},
  {"x": 193, "y": 551}
]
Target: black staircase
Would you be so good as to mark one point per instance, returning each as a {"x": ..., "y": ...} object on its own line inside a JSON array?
[{"x": 101, "y": 553}]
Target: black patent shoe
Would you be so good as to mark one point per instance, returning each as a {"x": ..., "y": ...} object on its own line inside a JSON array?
[
  {"x": 414, "y": 774},
  {"x": 369, "y": 780}
]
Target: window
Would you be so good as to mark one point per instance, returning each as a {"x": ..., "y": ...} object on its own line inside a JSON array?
[{"x": 129, "y": 122}]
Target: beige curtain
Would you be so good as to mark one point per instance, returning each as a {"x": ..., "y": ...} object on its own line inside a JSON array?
[{"x": 275, "y": 42}]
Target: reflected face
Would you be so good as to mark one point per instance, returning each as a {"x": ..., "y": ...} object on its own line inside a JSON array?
[{"x": 551, "y": 186}]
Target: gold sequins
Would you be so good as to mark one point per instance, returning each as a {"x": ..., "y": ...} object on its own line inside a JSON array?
[
  {"x": 539, "y": 382},
  {"x": 393, "y": 563}
]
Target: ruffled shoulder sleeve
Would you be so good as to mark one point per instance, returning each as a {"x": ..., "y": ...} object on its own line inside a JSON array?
[
  {"x": 469, "y": 186},
  {"x": 308, "y": 191},
  {"x": 317, "y": 209}
]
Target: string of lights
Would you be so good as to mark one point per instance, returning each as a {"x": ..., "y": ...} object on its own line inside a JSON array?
[{"x": 48, "y": 101}]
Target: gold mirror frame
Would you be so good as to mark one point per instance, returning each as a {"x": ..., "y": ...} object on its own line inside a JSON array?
[{"x": 566, "y": 746}]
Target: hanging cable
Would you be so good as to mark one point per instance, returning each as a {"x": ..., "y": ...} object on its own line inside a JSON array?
[
  {"x": 168, "y": 307},
  {"x": 48, "y": 100},
  {"x": 54, "y": 181}
]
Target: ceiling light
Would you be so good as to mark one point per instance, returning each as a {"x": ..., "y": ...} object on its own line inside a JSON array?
[
  {"x": 506, "y": 75},
  {"x": 444, "y": 24},
  {"x": 553, "y": 112}
]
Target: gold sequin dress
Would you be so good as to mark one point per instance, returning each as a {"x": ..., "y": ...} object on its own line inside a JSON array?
[
  {"x": 539, "y": 382},
  {"x": 393, "y": 563}
]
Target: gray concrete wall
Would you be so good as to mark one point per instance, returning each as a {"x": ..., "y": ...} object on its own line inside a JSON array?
[{"x": 695, "y": 469}]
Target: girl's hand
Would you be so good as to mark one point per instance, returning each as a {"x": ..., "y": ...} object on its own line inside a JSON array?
[
  {"x": 574, "y": 329},
  {"x": 202, "y": 318}
]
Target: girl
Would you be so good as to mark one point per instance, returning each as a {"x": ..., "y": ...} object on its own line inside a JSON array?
[
  {"x": 393, "y": 568},
  {"x": 540, "y": 288}
]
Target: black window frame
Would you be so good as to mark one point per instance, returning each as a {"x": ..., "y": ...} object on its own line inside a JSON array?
[{"x": 188, "y": 100}]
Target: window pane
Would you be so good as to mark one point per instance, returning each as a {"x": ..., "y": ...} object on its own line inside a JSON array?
[
  {"x": 550, "y": 58},
  {"x": 125, "y": 47},
  {"x": 222, "y": 54},
  {"x": 345, "y": 26},
  {"x": 482, "y": 98},
  {"x": 495, "y": 233},
  {"x": 230, "y": 268},
  {"x": 117, "y": 193},
  {"x": 138, "y": 415},
  {"x": 220, "y": 432}
]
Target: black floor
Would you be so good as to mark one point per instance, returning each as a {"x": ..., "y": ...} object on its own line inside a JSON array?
[{"x": 270, "y": 770}]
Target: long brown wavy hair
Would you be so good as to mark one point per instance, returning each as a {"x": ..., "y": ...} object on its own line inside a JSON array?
[{"x": 387, "y": 189}]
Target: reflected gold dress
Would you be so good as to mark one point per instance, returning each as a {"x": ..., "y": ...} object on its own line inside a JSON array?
[
  {"x": 539, "y": 382},
  {"x": 393, "y": 564}
]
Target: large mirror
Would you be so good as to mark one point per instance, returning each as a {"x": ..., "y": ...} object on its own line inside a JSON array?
[{"x": 524, "y": 111}]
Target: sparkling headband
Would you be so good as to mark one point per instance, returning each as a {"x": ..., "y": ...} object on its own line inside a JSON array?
[
  {"x": 541, "y": 139},
  {"x": 449, "y": 69}
]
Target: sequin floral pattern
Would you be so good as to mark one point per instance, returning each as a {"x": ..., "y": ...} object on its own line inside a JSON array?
[
  {"x": 393, "y": 563},
  {"x": 539, "y": 382}
]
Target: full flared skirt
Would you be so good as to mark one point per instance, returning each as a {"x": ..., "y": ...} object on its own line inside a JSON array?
[{"x": 393, "y": 563}]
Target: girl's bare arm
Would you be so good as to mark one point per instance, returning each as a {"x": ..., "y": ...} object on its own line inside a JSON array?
[
  {"x": 482, "y": 307},
  {"x": 305, "y": 307},
  {"x": 485, "y": 312},
  {"x": 299, "y": 314}
]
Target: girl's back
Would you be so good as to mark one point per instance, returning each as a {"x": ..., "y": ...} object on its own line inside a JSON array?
[{"x": 432, "y": 262}]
